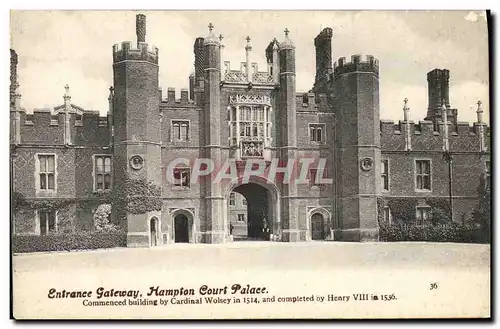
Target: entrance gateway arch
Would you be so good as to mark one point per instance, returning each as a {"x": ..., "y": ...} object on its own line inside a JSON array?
[{"x": 263, "y": 209}]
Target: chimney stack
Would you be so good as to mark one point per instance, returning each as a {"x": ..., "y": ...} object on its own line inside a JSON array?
[{"x": 140, "y": 28}]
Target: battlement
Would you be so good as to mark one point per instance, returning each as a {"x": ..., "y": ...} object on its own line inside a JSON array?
[
  {"x": 47, "y": 117},
  {"x": 124, "y": 52},
  {"x": 45, "y": 126},
  {"x": 307, "y": 101},
  {"x": 425, "y": 136},
  {"x": 172, "y": 100},
  {"x": 358, "y": 63}
]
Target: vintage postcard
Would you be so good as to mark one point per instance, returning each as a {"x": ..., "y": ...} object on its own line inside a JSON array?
[{"x": 250, "y": 164}]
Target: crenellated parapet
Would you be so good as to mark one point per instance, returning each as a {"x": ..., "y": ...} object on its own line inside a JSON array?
[
  {"x": 143, "y": 52},
  {"x": 425, "y": 136},
  {"x": 46, "y": 126},
  {"x": 311, "y": 102},
  {"x": 358, "y": 63},
  {"x": 173, "y": 101}
]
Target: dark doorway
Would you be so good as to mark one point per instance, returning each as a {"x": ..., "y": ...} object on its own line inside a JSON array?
[
  {"x": 153, "y": 226},
  {"x": 181, "y": 229},
  {"x": 317, "y": 227},
  {"x": 259, "y": 223}
]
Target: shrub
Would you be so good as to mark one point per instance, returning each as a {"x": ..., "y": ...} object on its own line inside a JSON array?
[
  {"x": 449, "y": 232},
  {"x": 66, "y": 242}
]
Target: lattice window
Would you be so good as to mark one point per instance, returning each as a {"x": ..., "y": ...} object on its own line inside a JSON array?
[
  {"x": 317, "y": 132},
  {"x": 102, "y": 173},
  {"x": 47, "y": 171},
  {"x": 47, "y": 221},
  {"x": 423, "y": 175},
  {"x": 385, "y": 175}
]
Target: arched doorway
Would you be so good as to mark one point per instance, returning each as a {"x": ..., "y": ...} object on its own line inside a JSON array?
[
  {"x": 154, "y": 231},
  {"x": 181, "y": 228},
  {"x": 317, "y": 227},
  {"x": 261, "y": 218}
]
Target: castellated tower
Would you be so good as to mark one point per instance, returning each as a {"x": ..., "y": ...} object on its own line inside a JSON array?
[
  {"x": 137, "y": 140},
  {"x": 358, "y": 147}
]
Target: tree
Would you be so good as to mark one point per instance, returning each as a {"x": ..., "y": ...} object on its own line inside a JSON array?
[{"x": 481, "y": 215}]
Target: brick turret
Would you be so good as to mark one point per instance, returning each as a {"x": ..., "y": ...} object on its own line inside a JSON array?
[
  {"x": 136, "y": 120},
  {"x": 358, "y": 147}
]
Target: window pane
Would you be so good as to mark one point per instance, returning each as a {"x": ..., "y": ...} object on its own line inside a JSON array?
[
  {"x": 312, "y": 176},
  {"x": 185, "y": 178},
  {"x": 99, "y": 164},
  {"x": 52, "y": 221},
  {"x": 184, "y": 132},
  {"x": 107, "y": 181},
  {"x": 50, "y": 164},
  {"x": 427, "y": 182},
  {"x": 384, "y": 167},
  {"x": 419, "y": 167},
  {"x": 43, "y": 223},
  {"x": 419, "y": 182},
  {"x": 107, "y": 164},
  {"x": 319, "y": 134},
  {"x": 43, "y": 181},
  {"x": 176, "y": 132},
  {"x": 50, "y": 178},
  {"x": 99, "y": 181},
  {"x": 43, "y": 163},
  {"x": 425, "y": 167},
  {"x": 312, "y": 132}
]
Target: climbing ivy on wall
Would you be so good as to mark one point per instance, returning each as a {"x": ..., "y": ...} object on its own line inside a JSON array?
[
  {"x": 403, "y": 209},
  {"x": 138, "y": 196}
]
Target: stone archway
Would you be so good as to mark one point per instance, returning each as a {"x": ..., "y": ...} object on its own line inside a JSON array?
[
  {"x": 318, "y": 219},
  {"x": 154, "y": 231},
  {"x": 263, "y": 213},
  {"x": 183, "y": 226}
]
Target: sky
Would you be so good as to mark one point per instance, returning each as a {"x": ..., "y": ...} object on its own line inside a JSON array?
[{"x": 56, "y": 48}]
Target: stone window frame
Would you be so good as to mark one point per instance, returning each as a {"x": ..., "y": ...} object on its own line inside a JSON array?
[
  {"x": 94, "y": 177},
  {"x": 388, "y": 174},
  {"x": 181, "y": 187},
  {"x": 37, "y": 221},
  {"x": 38, "y": 190},
  {"x": 242, "y": 216},
  {"x": 232, "y": 199},
  {"x": 180, "y": 121},
  {"x": 323, "y": 132},
  {"x": 415, "y": 175},
  {"x": 424, "y": 219}
]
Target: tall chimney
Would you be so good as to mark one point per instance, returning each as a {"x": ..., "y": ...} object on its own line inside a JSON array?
[
  {"x": 140, "y": 28},
  {"x": 439, "y": 93}
]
